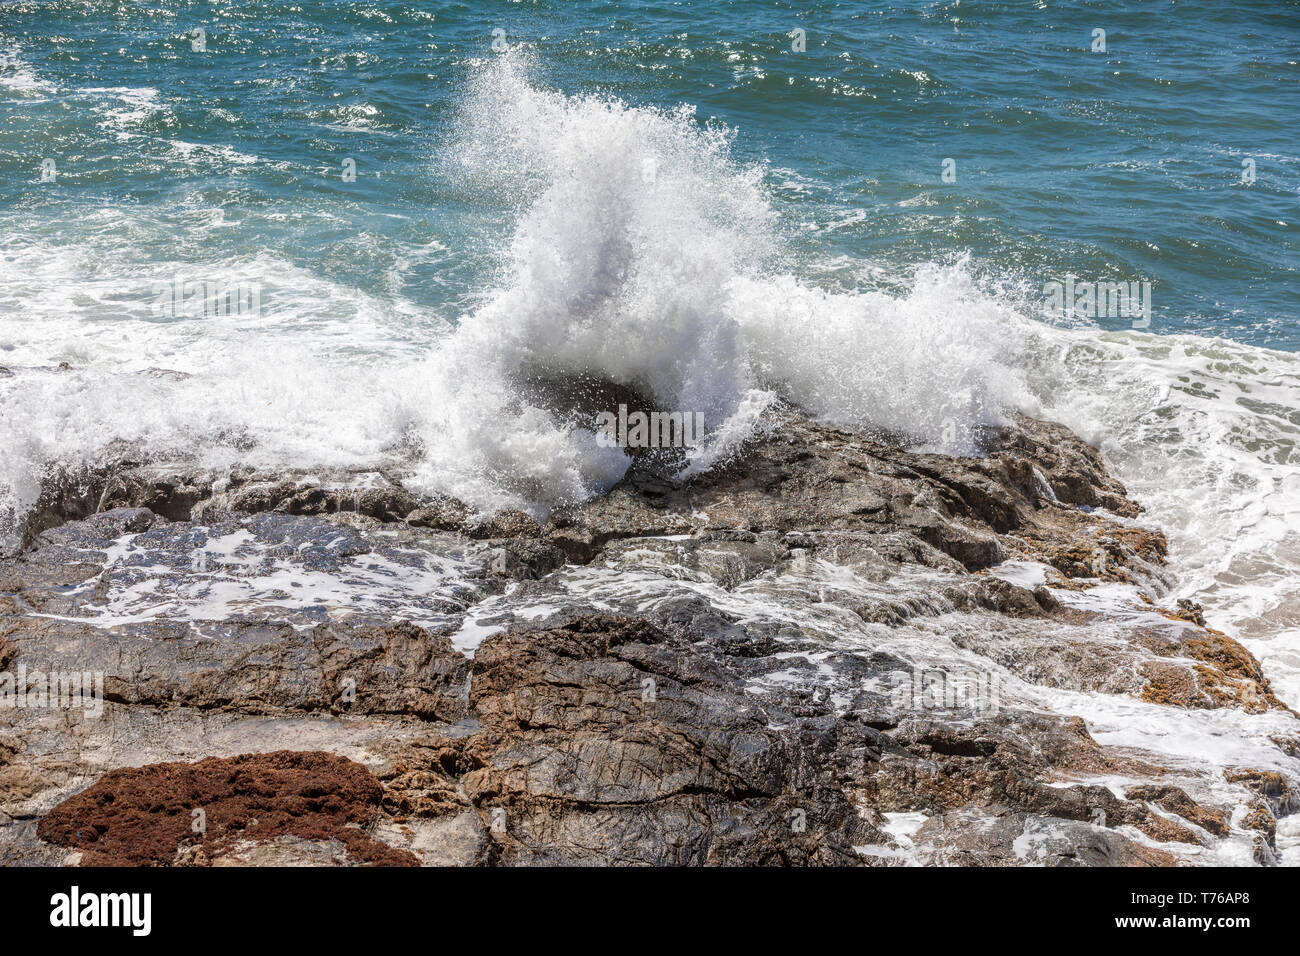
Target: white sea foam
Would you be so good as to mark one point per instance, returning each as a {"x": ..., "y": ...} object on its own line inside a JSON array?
[
  {"x": 124, "y": 108},
  {"x": 1205, "y": 433},
  {"x": 18, "y": 77},
  {"x": 645, "y": 254}
]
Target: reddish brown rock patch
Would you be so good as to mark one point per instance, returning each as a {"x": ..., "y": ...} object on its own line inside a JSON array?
[{"x": 141, "y": 816}]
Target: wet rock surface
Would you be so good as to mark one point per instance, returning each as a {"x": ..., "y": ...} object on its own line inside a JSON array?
[{"x": 827, "y": 652}]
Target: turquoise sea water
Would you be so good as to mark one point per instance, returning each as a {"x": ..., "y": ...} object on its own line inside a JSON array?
[{"x": 1116, "y": 165}]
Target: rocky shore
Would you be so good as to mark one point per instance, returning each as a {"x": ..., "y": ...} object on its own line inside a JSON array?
[{"x": 829, "y": 651}]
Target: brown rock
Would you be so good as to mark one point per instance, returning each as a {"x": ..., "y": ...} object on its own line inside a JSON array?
[{"x": 144, "y": 816}]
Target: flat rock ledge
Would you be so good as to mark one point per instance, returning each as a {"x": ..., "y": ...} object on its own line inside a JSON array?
[{"x": 828, "y": 652}]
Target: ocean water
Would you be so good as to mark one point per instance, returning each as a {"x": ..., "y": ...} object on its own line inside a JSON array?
[{"x": 406, "y": 209}]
